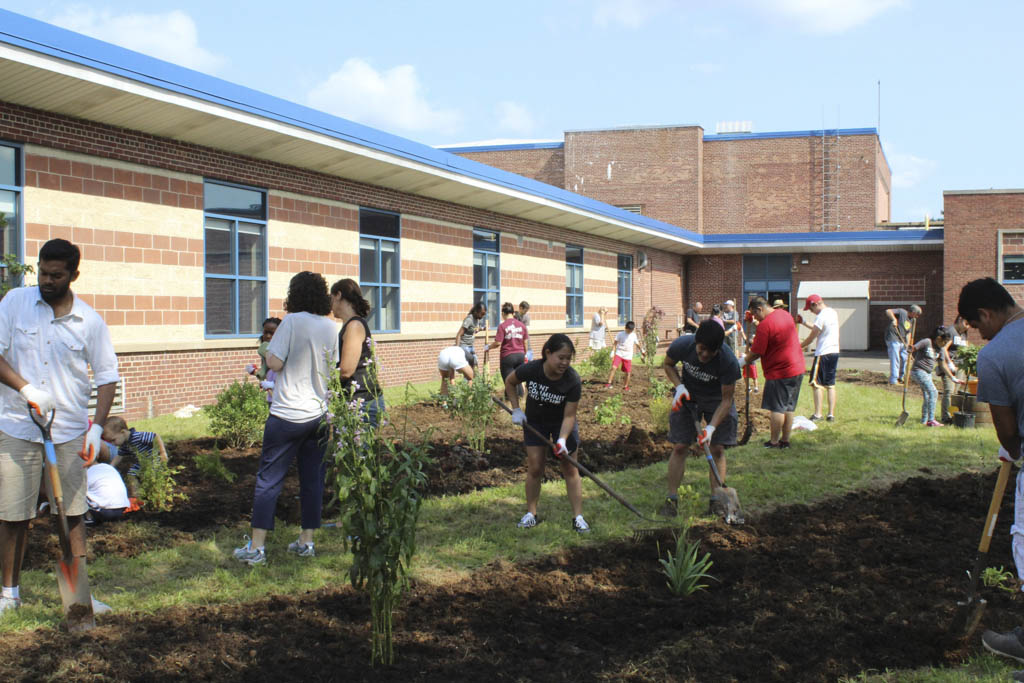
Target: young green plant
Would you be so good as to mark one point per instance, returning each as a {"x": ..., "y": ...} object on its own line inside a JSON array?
[
  {"x": 239, "y": 414},
  {"x": 684, "y": 572},
  {"x": 609, "y": 411},
  {"x": 997, "y": 577},
  {"x": 211, "y": 466},
  {"x": 470, "y": 403},
  {"x": 157, "y": 487}
]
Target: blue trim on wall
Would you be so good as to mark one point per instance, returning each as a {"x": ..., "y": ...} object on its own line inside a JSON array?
[
  {"x": 796, "y": 238},
  {"x": 791, "y": 134},
  {"x": 467, "y": 149}
]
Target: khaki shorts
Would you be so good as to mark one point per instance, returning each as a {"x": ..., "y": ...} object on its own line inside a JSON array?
[{"x": 21, "y": 470}]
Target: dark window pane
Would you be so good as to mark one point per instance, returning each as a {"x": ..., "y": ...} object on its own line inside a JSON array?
[
  {"x": 573, "y": 254},
  {"x": 372, "y": 294},
  {"x": 778, "y": 266},
  {"x": 389, "y": 308},
  {"x": 219, "y": 318},
  {"x": 9, "y": 208},
  {"x": 1013, "y": 268},
  {"x": 251, "y": 311},
  {"x": 218, "y": 246},
  {"x": 625, "y": 262},
  {"x": 493, "y": 310},
  {"x": 389, "y": 262},
  {"x": 485, "y": 240},
  {"x": 479, "y": 276},
  {"x": 379, "y": 224},
  {"x": 368, "y": 260},
  {"x": 492, "y": 271},
  {"x": 234, "y": 201},
  {"x": 8, "y": 166},
  {"x": 250, "y": 250}
]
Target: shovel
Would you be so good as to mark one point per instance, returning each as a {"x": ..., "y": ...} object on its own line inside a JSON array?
[
  {"x": 968, "y": 613},
  {"x": 725, "y": 502},
  {"x": 906, "y": 377},
  {"x": 748, "y": 429},
  {"x": 607, "y": 489},
  {"x": 72, "y": 579}
]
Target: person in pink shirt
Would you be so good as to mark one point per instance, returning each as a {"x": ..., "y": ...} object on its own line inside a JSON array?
[
  {"x": 513, "y": 338},
  {"x": 777, "y": 344}
]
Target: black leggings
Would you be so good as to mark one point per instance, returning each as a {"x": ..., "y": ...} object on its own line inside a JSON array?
[{"x": 508, "y": 364}]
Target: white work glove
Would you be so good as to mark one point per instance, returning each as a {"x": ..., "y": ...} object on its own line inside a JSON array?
[
  {"x": 1004, "y": 456},
  {"x": 91, "y": 444},
  {"x": 518, "y": 417},
  {"x": 266, "y": 384},
  {"x": 682, "y": 394},
  {"x": 250, "y": 369},
  {"x": 705, "y": 436},
  {"x": 40, "y": 401},
  {"x": 560, "y": 448},
  {"x": 529, "y": 355}
]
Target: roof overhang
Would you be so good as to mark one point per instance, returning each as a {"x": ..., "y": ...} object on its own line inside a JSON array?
[{"x": 815, "y": 242}]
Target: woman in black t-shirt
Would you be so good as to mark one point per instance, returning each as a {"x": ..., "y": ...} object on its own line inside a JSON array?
[
  {"x": 355, "y": 347},
  {"x": 552, "y": 395}
]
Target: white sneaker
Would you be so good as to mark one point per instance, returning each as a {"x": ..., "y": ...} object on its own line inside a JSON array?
[
  {"x": 9, "y": 604},
  {"x": 100, "y": 607},
  {"x": 528, "y": 521},
  {"x": 580, "y": 525}
]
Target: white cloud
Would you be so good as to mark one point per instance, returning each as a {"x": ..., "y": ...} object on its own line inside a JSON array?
[
  {"x": 391, "y": 99},
  {"x": 908, "y": 170},
  {"x": 628, "y": 13},
  {"x": 826, "y": 16},
  {"x": 171, "y": 36},
  {"x": 514, "y": 118}
]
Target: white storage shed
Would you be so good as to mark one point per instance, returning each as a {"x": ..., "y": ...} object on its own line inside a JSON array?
[{"x": 850, "y": 298}]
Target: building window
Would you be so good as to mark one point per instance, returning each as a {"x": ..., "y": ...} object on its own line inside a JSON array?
[
  {"x": 625, "y": 288},
  {"x": 573, "y": 286},
  {"x": 767, "y": 275},
  {"x": 379, "y": 266},
  {"x": 10, "y": 204},
  {"x": 487, "y": 273},
  {"x": 1013, "y": 269},
  {"x": 235, "y": 222}
]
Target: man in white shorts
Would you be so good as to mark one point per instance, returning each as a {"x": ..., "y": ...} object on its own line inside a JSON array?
[{"x": 451, "y": 360}]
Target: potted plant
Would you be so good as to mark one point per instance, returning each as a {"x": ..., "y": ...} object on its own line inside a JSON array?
[{"x": 967, "y": 360}]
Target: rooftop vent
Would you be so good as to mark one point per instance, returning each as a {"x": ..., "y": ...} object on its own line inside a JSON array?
[{"x": 734, "y": 127}]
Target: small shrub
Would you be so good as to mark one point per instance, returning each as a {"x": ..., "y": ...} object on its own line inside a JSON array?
[
  {"x": 211, "y": 466},
  {"x": 610, "y": 411},
  {"x": 997, "y": 577},
  {"x": 649, "y": 334},
  {"x": 658, "y": 388},
  {"x": 11, "y": 269},
  {"x": 600, "y": 363},
  {"x": 157, "y": 487},
  {"x": 471, "y": 404},
  {"x": 967, "y": 359},
  {"x": 660, "y": 408},
  {"x": 239, "y": 414},
  {"x": 683, "y": 570}
]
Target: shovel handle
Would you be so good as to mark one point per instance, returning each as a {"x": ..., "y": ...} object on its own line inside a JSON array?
[
  {"x": 993, "y": 507},
  {"x": 707, "y": 450}
]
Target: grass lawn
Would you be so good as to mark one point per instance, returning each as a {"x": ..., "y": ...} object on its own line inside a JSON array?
[{"x": 458, "y": 534}]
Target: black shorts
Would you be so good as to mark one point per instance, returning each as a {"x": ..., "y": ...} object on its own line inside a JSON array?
[
  {"x": 823, "y": 370},
  {"x": 682, "y": 428},
  {"x": 510, "y": 363},
  {"x": 551, "y": 431},
  {"x": 781, "y": 395}
]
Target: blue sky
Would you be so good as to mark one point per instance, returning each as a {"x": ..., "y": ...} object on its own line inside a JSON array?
[{"x": 447, "y": 72}]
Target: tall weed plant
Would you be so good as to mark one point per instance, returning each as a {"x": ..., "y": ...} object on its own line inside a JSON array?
[
  {"x": 378, "y": 480},
  {"x": 660, "y": 408},
  {"x": 470, "y": 403},
  {"x": 157, "y": 487},
  {"x": 239, "y": 414},
  {"x": 649, "y": 335}
]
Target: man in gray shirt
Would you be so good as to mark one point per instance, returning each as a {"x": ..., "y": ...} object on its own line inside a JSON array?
[
  {"x": 896, "y": 338},
  {"x": 989, "y": 308}
]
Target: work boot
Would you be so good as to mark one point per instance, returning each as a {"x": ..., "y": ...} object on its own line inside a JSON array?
[
  {"x": 1007, "y": 644},
  {"x": 670, "y": 508}
]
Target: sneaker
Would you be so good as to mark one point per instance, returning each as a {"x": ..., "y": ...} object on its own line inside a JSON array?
[
  {"x": 934, "y": 423},
  {"x": 528, "y": 521},
  {"x": 1006, "y": 644},
  {"x": 580, "y": 525},
  {"x": 769, "y": 444},
  {"x": 9, "y": 604},
  {"x": 783, "y": 444},
  {"x": 608, "y": 386},
  {"x": 816, "y": 418},
  {"x": 302, "y": 549},
  {"x": 251, "y": 556},
  {"x": 830, "y": 418},
  {"x": 625, "y": 388},
  {"x": 99, "y": 607},
  {"x": 670, "y": 508},
  {"x": 756, "y": 390}
]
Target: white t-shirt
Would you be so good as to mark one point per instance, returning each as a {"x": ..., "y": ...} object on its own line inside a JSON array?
[
  {"x": 106, "y": 488},
  {"x": 827, "y": 322},
  {"x": 452, "y": 358},
  {"x": 624, "y": 345},
  {"x": 597, "y": 331},
  {"x": 308, "y": 345}
]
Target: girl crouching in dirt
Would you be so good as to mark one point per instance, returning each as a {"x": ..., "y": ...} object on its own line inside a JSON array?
[{"x": 552, "y": 395}]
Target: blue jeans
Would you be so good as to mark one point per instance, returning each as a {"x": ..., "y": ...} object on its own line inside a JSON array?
[
  {"x": 924, "y": 380},
  {"x": 897, "y": 360},
  {"x": 283, "y": 441}
]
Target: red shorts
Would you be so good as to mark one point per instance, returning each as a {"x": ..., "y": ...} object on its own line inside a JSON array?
[
  {"x": 750, "y": 371},
  {"x": 627, "y": 365}
]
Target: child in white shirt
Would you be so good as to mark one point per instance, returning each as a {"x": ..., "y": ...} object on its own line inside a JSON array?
[{"x": 625, "y": 341}]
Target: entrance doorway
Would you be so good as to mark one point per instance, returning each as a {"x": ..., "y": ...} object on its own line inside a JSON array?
[{"x": 767, "y": 275}]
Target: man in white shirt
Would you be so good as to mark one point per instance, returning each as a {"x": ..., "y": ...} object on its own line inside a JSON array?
[
  {"x": 625, "y": 341},
  {"x": 825, "y": 331},
  {"x": 51, "y": 339}
]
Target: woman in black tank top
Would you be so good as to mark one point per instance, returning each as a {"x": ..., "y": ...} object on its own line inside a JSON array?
[{"x": 355, "y": 347}]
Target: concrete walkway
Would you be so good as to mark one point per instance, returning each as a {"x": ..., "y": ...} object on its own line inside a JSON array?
[{"x": 878, "y": 361}]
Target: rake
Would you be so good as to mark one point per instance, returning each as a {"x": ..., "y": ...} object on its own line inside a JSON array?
[{"x": 638, "y": 533}]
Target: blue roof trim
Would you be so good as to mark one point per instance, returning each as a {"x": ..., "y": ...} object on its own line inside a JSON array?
[
  {"x": 863, "y": 236},
  {"x": 791, "y": 134},
  {"x": 467, "y": 149},
  {"x": 41, "y": 37}
]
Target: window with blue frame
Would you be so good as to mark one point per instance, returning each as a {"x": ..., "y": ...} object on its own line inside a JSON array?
[
  {"x": 487, "y": 273},
  {"x": 1013, "y": 269},
  {"x": 573, "y": 286},
  {"x": 11, "y": 180},
  {"x": 379, "y": 266},
  {"x": 235, "y": 222},
  {"x": 625, "y": 288}
]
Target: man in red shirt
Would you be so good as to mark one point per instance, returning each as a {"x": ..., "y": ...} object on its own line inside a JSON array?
[{"x": 777, "y": 344}]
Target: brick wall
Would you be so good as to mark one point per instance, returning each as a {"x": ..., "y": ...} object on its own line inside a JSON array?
[
  {"x": 545, "y": 165},
  {"x": 972, "y": 224}
]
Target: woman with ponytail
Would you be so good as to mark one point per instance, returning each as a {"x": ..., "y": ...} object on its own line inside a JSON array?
[{"x": 355, "y": 345}]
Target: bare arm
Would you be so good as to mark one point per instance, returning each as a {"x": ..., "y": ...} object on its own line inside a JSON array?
[
  {"x": 9, "y": 376},
  {"x": 458, "y": 336},
  {"x": 351, "y": 349},
  {"x": 1004, "y": 419},
  {"x": 160, "y": 446},
  {"x": 811, "y": 337},
  {"x": 510, "y": 389},
  {"x": 669, "y": 366},
  {"x": 274, "y": 363},
  {"x": 568, "y": 420}
]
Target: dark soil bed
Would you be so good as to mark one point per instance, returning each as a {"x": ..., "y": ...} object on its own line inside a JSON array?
[{"x": 868, "y": 581}]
